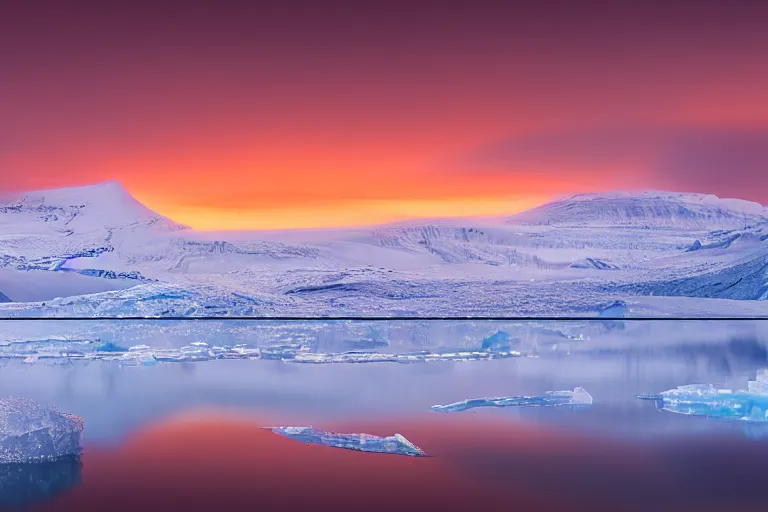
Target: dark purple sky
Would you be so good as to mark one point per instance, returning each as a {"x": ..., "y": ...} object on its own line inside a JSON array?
[{"x": 270, "y": 114}]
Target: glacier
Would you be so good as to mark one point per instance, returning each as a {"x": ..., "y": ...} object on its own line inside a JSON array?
[
  {"x": 579, "y": 397},
  {"x": 748, "y": 405},
  {"x": 95, "y": 251},
  {"x": 395, "y": 444},
  {"x": 30, "y": 432}
]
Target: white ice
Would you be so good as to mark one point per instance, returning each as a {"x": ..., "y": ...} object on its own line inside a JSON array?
[{"x": 96, "y": 251}]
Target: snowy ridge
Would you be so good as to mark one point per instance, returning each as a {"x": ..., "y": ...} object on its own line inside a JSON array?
[
  {"x": 651, "y": 209},
  {"x": 737, "y": 205},
  {"x": 457, "y": 245},
  {"x": 85, "y": 209}
]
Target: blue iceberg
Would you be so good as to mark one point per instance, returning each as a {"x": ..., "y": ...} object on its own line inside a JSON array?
[
  {"x": 395, "y": 445},
  {"x": 750, "y": 405},
  {"x": 577, "y": 397},
  {"x": 30, "y": 432}
]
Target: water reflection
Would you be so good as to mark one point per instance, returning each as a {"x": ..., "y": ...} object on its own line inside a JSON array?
[
  {"x": 114, "y": 401},
  {"x": 618, "y": 454},
  {"x": 218, "y": 461},
  {"x": 24, "y": 485}
]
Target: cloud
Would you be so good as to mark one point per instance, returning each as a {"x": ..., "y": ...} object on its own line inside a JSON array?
[
  {"x": 723, "y": 161},
  {"x": 558, "y": 151},
  {"x": 729, "y": 162}
]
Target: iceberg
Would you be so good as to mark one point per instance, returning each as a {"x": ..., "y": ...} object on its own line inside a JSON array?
[
  {"x": 395, "y": 445},
  {"x": 576, "y": 398},
  {"x": 750, "y": 405},
  {"x": 30, "y": 432}
]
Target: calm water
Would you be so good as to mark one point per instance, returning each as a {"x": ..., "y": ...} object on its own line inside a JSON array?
[{"x": 186, "y": 435}]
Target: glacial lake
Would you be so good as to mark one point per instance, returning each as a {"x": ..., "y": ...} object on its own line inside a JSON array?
[{"x": 173, "y": 415}]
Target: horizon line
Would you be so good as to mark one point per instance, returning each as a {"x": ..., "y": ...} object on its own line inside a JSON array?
[
  {"x": 354, "y": 318},
  {"x": 396, "y": 220}
]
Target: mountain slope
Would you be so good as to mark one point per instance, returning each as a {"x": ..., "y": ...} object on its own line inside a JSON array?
[
  {"x": 59, "y": 223},
  {"x": 743, "y": 279},
  {"x": 81, "y": 209},
  {"x": 647, "y": 209},
  {"x": 101, "y": 230}
]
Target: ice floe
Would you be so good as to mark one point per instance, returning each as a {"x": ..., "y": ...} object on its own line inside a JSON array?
[
  {"x": 578, "y": 397},
  {"x": 30, "y": 432},
  {"x": 396, "y": 444}
]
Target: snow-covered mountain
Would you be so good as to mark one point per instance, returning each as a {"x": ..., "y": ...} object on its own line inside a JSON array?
[
  {"x": 53, "y": 223},
  {"x": 87, "y": 209},
  {"x": 97, "y": 251},
  {"x": 46, "y": 230},
  {"x": 647, "y": 209}
]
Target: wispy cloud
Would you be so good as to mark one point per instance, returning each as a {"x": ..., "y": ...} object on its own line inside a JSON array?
[{"x": 725, "y": 161}]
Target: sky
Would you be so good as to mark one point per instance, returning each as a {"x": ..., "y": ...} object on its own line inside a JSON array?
[{"x": 238, "y": 115}]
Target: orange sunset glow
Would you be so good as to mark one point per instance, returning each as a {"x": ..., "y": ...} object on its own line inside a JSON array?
[
  {"x": 275, "y": 116},
  {"x": 487, "y": 465}
]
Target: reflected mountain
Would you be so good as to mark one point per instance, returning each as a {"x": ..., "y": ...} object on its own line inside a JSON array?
[{"x": 727, "y": 358}]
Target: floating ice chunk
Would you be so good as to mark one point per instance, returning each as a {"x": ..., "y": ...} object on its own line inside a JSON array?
[
  {"x": 499, "y": 340},
  {"x": 405, "y": 358},
  {"x": 30, "y": 432},
  {"x": 749, "y": 404},
  {"x": 649, "y": 397},
  {"x": 578, "y": 397},
  {"x": 396, "y": 444},
  {"x": 138, "y": 355},
  {"x": 760, "y": 384},
  {"x": 138, "y": 359},
  {"x": 109, "y": 347}
]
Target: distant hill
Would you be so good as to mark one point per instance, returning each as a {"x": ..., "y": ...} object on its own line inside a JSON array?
[{"x": 652, "y": 209}]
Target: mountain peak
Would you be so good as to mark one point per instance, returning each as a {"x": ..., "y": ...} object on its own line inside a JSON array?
[
  {"x": 104, "y": 204},
  {"x": 113, "y": 186},
  {"x": 688, "y": 197},
  {"x": 93, "y": 192}
]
